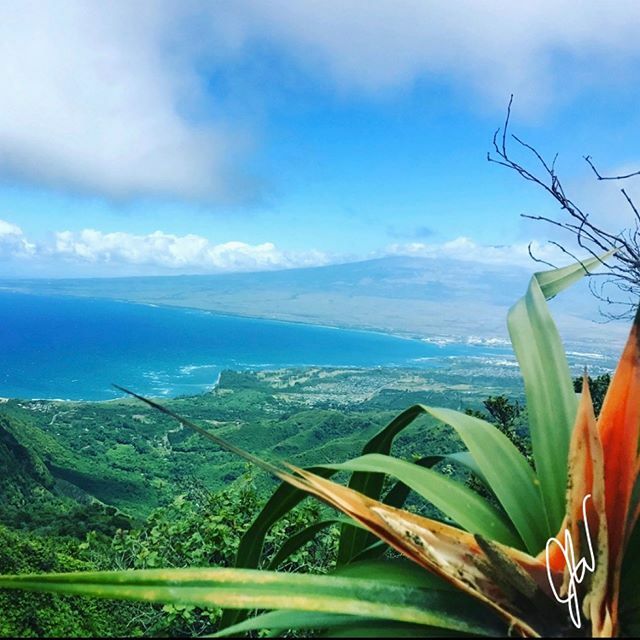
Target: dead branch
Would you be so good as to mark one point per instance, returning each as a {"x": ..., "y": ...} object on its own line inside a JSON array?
[{"x": 622, "y": 271}]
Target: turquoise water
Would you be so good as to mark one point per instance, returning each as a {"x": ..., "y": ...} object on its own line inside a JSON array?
[{"x": 74, "y": 348}]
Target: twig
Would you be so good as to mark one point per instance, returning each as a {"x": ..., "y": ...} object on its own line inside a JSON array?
[
  {"x": 589, "y": 161},
  {"x": 623, "y": 272}
]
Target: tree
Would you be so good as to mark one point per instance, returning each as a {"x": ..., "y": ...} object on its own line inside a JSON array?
[
  {"x": 508, "y": 416},
  {"x": 618, "y": 283},
  {"x": 597, "y": 386}
]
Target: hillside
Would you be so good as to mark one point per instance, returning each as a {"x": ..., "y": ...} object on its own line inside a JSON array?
[
  {"x": 116, "y": 485},
  {"x": 25, "y": 478},
  {"x": 77, "y": 456},
  {"x": 35, "y": 488}
]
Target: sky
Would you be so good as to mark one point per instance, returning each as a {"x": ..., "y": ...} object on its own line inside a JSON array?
[{"x": 208, "y": 136}]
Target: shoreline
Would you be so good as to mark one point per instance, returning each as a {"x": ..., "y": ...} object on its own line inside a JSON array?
[
  {"x": 395, "y": 333},
  {"x": 442, "y": 344}
]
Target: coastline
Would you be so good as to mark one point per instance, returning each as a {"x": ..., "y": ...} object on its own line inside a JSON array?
[
  {"x": 475, "y": 347},
  {"x": 441, "y": 340},
  {"x": 284, "y": 318},
  {"x": 178, "y": 348}
]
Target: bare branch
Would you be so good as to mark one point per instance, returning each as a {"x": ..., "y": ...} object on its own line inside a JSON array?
[
  {"x": 540, "y": 260},
  {"x": 622, "y": 273},
  {"x": 632, "y": 205},
  {"x": 589, "y": 161}
]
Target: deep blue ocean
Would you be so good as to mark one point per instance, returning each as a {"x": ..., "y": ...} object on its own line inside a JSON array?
[{"x": 74, "y": 348}]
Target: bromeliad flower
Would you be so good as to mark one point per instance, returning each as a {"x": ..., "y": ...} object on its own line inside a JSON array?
[
  {"x": 580, "y": 567},
  {"x": 544, "y": 551}
]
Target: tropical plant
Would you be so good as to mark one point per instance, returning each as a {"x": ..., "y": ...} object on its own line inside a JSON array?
[
  {"x": 549, "y": 552},
  {"x": 508, "y": 416},
  {"x": 198, "y": 528}
]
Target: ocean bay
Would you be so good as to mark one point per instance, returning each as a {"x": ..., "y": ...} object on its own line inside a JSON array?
[{"x": 75, "y": 348}]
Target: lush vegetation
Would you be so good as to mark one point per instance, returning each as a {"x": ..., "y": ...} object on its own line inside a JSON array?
[
  {"x": 199, "y": 528},
  {"x": 120, "y": 455},
  {"x": 115, "y": 485},
  {"x": 364, "y": 588}
]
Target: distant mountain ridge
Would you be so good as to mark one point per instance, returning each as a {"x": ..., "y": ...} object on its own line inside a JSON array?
[{"x": 415, "y": 297}]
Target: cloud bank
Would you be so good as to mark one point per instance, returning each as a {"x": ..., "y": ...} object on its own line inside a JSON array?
[
  {"x": 170, "y": 253},
  {"x": 116, "y": 99},
  {"x": 91, "y": 100},
  {"x": 13, "y": 243},
  {"x": 175, "y": 252},
  {"x": 492, "y": 48},
  {"x": 467, "y": 250},
  {"x": 163, "y": 251}
]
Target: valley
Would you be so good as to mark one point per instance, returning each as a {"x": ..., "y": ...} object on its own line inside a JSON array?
[{"x": 122, "y": 454}]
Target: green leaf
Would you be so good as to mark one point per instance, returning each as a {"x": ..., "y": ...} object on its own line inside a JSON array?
[
  {"x": 397, "y": 571},
  {"x": 282, "y": 501},
  {"x": 372, "y": 552},
  {"x": 551, "y": 401},
  {"x": 465, "y": 459},
  {"x": 506, "y": 471},
  {"x": 340, "y": 626},
  {"x": 385, "y": 629},
  {"x": 300, "y": 538},
  {"x": 353, "y": 541},
  {"x": 399, "y": 492},
  {"x": 251, "y": 589},
  {"x": 554, "y": 281},
  {"x": 458, "y": 502},
  {"x": 290, "y": 620}
]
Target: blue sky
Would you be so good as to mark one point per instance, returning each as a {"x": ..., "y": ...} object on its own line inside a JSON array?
[{"x": 196, "y": 137}]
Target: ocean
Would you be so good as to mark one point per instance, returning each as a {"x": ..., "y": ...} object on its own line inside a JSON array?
[{"x": 75, "y": 348}]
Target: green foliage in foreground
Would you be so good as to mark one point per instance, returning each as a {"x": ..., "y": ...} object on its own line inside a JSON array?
[
  {"x": 44, "y": 615},
  {"x": 201, "y": 528},
  {"x": 197, "y": 528},
  {"x": 365, "y": 593}
]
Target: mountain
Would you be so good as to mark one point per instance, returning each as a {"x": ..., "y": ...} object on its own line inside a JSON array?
[{"x": 416, "y": 297}]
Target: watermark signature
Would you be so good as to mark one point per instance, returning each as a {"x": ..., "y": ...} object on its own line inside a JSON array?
[{"x": 577, "y": 570}]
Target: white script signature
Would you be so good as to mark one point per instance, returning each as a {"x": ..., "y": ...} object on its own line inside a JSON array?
[{"x": 577, "y": 571}]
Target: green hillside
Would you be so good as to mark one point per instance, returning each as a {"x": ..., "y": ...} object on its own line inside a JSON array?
[
  {"x": 124, "y": 455},
  {"x": 110, "y": 485}
]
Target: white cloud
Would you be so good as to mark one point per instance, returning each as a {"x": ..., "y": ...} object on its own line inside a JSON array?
[
  {"x": 494, "y": 47},
  {"x": 92, "y": 98},
  {"x": 467, "y": 250},
  {"x": 90, "y": 251},
  {"x": 167, "y": 251},
  {"x": 13, "y": 243},
  {"x": 121, "y": 253},
  {"x": 99, "y": 96}
]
